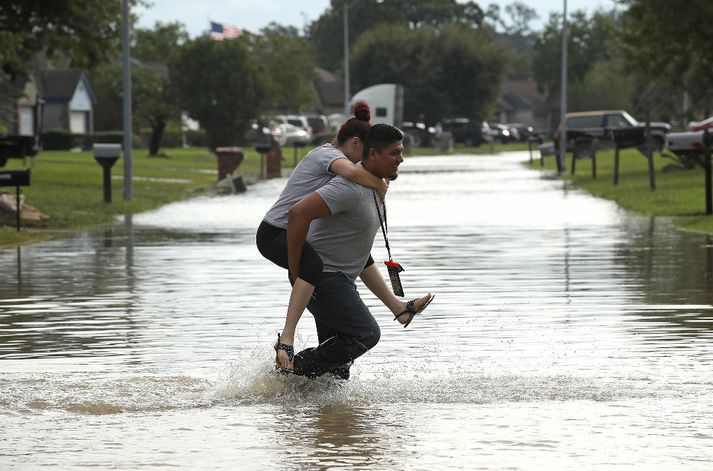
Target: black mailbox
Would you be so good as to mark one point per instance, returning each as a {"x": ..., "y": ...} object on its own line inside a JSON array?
[
  {"x": 16, "y": 178},
  {"x": 107, "y": 155},
  {"x": 16, "y": 146},
  {"x": 629, "y": 137}
]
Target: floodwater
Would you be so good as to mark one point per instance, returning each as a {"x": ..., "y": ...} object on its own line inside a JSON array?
[{"x": 565, "y": 334}]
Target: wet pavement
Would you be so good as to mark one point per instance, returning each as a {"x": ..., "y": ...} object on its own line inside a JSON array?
[{"x": 565, "y": 333}]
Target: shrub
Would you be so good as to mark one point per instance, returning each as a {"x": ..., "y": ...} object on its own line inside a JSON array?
[{"x": 58, "y": 139}]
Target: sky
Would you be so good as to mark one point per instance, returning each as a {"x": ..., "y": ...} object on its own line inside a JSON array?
[{"x": 253, "y": 15}]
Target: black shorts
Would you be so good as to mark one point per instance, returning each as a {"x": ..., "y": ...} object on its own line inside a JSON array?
[{"x": 272, "y": 244}]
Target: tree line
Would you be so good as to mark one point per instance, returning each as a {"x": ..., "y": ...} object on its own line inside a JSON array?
[{"x": 452, "y": 58}]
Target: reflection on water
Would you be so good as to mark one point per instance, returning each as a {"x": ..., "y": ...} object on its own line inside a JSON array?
[{"x": 565, "y": 333}]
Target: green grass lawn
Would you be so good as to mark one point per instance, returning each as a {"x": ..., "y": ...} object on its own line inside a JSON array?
[
  {"x": 680, "y": 193},
  {"x": 68, "y": 185}
]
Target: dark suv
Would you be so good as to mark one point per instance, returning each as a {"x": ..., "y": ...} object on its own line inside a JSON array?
[{"x": 464, "y": 131}]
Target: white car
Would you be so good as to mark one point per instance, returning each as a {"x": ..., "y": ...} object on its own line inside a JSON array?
[
  {"x": 290, "y": 135},
  {"x": 295, "y": 120}
]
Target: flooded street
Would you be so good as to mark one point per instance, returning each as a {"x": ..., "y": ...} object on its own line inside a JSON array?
[{"x": 565, "y": 334}]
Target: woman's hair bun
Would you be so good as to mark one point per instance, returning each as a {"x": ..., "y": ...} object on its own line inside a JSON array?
[{"x": 362, "y": 111}]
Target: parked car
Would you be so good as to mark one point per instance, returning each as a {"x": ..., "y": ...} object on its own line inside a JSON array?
[
  {"x": 296, "y": 120},
  {"x": 503, "y": 133},
  {"x": 464, "y": 131},
  {"x": 688, "y": 147},
  {"x": 318, "y": 123},
  {"x": 290, "y": 135},
  {"x": 263, "y": 132},
  {"x": 524, "y": 131},
  {"x": 600, "y": 124},
  {"x": 419, "y": 134}
]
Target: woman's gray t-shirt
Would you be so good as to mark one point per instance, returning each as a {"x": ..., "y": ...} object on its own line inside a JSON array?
[{"x": 309, "y": 175}]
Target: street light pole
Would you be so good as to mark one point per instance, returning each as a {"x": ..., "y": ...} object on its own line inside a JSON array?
[
  {"x": 128, "y": 190},
  {"x": 347, "y": 85},
  {"x": 563, "y": 97},
  {"x": 346, "y": 59}
]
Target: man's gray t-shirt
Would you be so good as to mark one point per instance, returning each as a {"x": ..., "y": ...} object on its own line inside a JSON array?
[
  {"x": 310, "y": 174},
  {"x": 344, "y": 239}
]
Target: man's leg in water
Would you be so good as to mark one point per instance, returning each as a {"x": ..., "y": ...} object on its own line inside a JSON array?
[{"x": 346, "y": 328}]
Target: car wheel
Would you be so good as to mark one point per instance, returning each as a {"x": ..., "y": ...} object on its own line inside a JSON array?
[{"x": 469, "y": 142}]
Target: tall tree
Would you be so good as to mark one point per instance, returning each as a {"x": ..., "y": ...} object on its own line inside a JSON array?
[
  {"x": 153, "y": 104},
  {"x": 222, "y": 84},
  {"x": 160, "y": 43},
  {"x": 87, "y": 32},
  {"x": 326, "y": 33},
  {"x": 446, "y": 71},
  {"x": 590, "y": 39},
  {"x": 289, "y": 66},
  {"x": 669, "y": 43}
]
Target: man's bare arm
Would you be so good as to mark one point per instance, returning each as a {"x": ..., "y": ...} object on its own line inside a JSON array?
[{"x": 305, "y": 211}]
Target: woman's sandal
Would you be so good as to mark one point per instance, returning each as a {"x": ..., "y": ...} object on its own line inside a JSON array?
[
  {"x": 289, "y": 349},
  {"x": 412, "y": 311}
]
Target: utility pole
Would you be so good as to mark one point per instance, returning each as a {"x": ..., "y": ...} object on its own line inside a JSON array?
[
  {"x": 563, "y": 98},
  {"x": 126, "y": 60}
]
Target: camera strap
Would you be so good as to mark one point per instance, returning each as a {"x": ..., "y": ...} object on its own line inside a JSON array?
[{"x": 393, "y": 267}]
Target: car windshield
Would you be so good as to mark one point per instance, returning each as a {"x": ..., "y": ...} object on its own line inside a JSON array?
[{"x": 620, "y": 120}]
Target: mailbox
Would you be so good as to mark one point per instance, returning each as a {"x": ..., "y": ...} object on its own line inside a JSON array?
[
  {"x": 629, "y": 137},
  {"x": 107, "y": 155},
  {"x": 16, "y": 178}
]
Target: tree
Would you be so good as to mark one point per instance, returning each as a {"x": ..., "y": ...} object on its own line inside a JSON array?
[
  {"x": 153, "y": 104},
  {"x": 326, "y": 33},
  {"x": 668, "y": 43},
  {"x": 514, "y": 33},
  {"x": 222, "y": 84},
  {"x": 604, "y": 87},
  {"x": 452, "y": 70},
  {"x": 520, "y": 18},
  {"x": 589, "y": 40},
  {"x": 289, "y": 66},
  {"x": 87, "y": 32},
  {"x": 160, "y": 43}
]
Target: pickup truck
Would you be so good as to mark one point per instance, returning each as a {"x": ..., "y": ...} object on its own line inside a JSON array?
[
  {"x": 688, "y": 146},
  {"x": 601, "y": 124}
]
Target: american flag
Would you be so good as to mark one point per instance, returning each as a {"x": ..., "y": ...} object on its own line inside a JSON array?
[{"x": 220, "y": 31}]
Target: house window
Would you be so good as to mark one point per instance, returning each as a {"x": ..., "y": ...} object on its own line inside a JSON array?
[{"x": 381, "y": 112}]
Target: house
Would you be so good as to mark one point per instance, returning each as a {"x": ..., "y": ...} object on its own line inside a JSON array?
[
  {"x": 521, "y": 102},
  {"x": 328, "y": 92},
  {"x": 68, "y": 101}
]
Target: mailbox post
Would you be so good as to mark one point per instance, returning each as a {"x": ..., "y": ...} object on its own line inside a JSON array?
[
  {"x": 297, "y": 145},
  {"x": 106, "y": 155}
]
